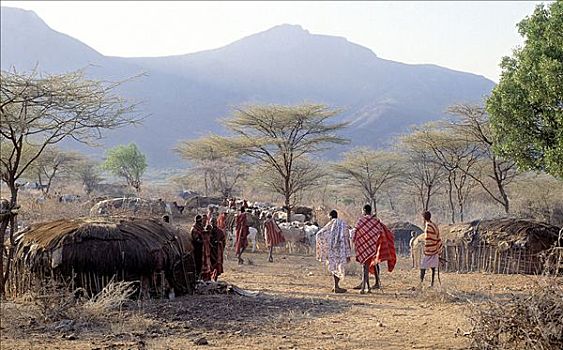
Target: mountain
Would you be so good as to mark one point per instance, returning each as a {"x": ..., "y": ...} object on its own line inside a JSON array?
[{"x": 185, "y": 95}]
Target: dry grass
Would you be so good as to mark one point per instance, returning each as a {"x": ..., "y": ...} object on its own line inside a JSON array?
[{"x": 295, "y": 309}]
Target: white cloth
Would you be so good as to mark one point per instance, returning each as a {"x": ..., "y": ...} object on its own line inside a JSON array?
[
  {"x": 333, "y": 246},
  {"x": 429, "y": 261}
]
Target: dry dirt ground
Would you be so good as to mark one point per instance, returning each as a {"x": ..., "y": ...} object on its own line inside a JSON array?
[{"x": 294, "y": 310}]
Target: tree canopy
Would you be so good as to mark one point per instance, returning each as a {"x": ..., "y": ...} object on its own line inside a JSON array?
[
  {"x": 369, "y": 170},
  {"x": 279, "y": 136},
  {"x": 128, "y": 162},
  {"x": 526, "y": 107}
]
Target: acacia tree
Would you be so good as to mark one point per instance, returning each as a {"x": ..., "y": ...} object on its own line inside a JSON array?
[
  {"x": 279, "y": 136},
  {"x": 526, "y": 107},
  {"x": 368, "y": 170},
  {"x": 422, "y": 172},
  {"x": 473, "y": 123},
  {"x": 456, "y": 156},
  {"x": 37, "y": 111},
  {"x": 52, "y": 162},
  {"x": 220, "y": 168},
  {"x": 87, "y": 171},
  {"x": 306, "y": 174},
  {"x": 128, "y": 162}
]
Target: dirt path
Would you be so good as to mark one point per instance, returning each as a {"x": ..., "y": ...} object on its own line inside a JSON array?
[{"x": 294, "y": 310}]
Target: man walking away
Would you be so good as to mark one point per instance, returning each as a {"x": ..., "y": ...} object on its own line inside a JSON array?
[
  {"x": 273, "y": 235},
  {"x": 333, "y": 247},
  {"x": 367, "y": 233},
  {"x": 432, "y": 248},
  {"x": 241, "y": 235}
]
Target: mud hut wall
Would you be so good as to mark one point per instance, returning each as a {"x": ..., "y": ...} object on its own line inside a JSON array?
[{"x": 151, "y": 251}]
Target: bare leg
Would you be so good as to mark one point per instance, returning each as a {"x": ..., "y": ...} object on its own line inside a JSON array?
[
  {"x": 377, "y": 279},
  {"x": 422, "y": 273},
  {"x": 270, "y": 257},
  {"x": 365, "y": 280},
  {"x": 240, "y": 259},
  {"x": 337, "y": 288},
  {"x": 433, "y": 274}
]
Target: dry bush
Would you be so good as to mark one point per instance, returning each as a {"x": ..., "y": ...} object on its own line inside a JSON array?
[
  {"x": 111, "y": 298},
  {"x": 55, "y": 301},
  {"x": 533, "y": 321}
]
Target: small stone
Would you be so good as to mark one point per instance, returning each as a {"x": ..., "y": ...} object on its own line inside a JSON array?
[
  {"x": 71, "y": 337},
  {"x": 201, "y": 341},
  {"x": 379, "y": 324},
  {"x": 284, "y": 336}
]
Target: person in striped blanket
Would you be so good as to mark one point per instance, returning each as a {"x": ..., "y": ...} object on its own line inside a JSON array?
[
  {"x": 273, "y": 235},
  {"x": 374, "y": 243},
  {"x": 432, "y": 248}
]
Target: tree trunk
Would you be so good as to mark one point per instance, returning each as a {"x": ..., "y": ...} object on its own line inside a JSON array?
[
  {"x": 12, "y": 221},
  {"x": 450, "y": 195},
  {"x": 287, "y": 196},
  {"x": 428, "y": 194},
  {"x": 505, "y": 200}
]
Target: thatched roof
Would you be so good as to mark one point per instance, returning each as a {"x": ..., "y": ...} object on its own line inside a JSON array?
[
  {"x": 102, "y": 245},
  {"x": 505, "y": 234}
]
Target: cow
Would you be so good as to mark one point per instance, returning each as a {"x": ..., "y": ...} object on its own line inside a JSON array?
[
  {"x": 68, "y": 198},
  {"x": 293, "y": 234},
  {"x": 134, "y": 204}
]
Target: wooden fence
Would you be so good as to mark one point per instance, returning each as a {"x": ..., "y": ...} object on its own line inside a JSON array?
[{"x": 489, "y": 259}]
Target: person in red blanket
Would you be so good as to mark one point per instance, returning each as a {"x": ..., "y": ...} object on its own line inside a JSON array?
[
  {"x": 241, "y": 235},
  {"x": 218, "y": 241},
  {"x": 374, "y": 243},
  {"x": 197, "y": 243},
  {"x": 273, "y": 235},
  {"x": 366, "y": 234}
]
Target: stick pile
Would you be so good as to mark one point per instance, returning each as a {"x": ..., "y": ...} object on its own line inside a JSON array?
[{"x": 534, "y": 321}]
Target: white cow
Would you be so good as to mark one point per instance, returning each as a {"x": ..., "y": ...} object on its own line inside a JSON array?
[
  {"x": 252, "y": 232},
  {"x": 282, "y": 216},
  {"x": 293, "y": 234}
]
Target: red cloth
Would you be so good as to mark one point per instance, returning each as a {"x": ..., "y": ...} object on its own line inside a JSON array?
[
  {"x": 385, "y": 250},
  {"x": 273, "y": 233},
  {"x": 222, "y": 221},
  {"x": 368, "y": 230},
  {"x": 218, "y": 241},
  {"x": 241, "y": 233},
  {"x": 206, "y": 256}
]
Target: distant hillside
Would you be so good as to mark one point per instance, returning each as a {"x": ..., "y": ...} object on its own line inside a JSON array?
[{"x": 185, "y": 95}]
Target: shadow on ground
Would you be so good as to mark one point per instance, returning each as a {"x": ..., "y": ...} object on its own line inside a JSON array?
[{"x": 230, "y": 313}]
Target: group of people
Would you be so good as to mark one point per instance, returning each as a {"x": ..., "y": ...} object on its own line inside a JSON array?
[
  {"x": 208, "y": 241},
  {"x": 373, "y": 244}
]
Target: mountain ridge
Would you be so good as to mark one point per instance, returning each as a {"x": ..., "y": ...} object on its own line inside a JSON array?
[{"x": 185, "y": 95}]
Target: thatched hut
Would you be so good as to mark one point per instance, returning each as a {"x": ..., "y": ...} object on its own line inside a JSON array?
[
  {"x": 497, "y": 246},
  {"x": 89, "y": 252},
  {"x": 403, "y": 232}
]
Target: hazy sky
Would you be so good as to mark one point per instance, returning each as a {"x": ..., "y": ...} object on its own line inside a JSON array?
[{"x": 468, "y": 36}]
